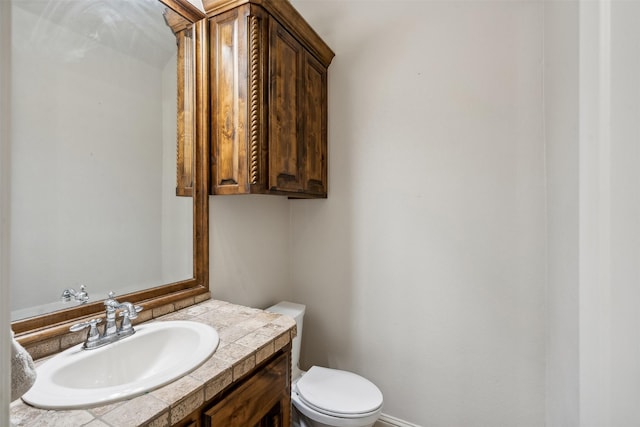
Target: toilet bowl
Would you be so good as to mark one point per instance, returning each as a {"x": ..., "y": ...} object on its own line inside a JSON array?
[{"x": 324, "y": 397}]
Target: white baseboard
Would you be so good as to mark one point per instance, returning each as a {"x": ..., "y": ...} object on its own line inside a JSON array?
[{"x": 389, "y": 421}]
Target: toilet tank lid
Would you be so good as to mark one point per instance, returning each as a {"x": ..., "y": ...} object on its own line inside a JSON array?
[
  {"x": 289, "y": 308},
  {"x": 338, "y": 392}
]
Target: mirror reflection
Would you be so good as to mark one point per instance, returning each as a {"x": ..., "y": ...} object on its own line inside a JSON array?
[{"x": 93, "y": 179}]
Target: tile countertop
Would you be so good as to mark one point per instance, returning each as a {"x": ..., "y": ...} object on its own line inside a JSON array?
[{"x": 248, "y": 336}]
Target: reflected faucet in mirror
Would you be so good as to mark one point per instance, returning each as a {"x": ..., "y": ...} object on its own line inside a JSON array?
[{"x": 80, "y": 296}]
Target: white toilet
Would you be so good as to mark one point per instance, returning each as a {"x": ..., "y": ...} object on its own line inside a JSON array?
[{"x": 324, "y": 397}]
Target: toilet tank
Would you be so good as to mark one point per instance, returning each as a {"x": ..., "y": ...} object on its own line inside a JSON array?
[{"x": 296, "y": 311}]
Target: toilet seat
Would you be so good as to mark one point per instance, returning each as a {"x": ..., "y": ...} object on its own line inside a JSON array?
[
  {"x": 338, "y": 393},
  {"x": 327, "y": 420}
]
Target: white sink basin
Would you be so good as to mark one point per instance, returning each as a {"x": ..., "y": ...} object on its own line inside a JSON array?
[{"x": 157, "y": 354}]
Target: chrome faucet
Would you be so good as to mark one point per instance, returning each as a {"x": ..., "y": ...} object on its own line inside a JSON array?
[
  {"x": 81, "y": 296},
  {"x": 111, "y": 332}
]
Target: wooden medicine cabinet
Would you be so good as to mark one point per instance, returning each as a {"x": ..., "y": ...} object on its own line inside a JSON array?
[{"x": 268, "y": 91}]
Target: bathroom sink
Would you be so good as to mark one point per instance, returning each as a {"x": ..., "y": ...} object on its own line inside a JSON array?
[{"x": 157, "y": 354}]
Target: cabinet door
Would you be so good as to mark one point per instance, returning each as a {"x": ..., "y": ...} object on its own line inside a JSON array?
[
  {"x": 286, "y": 56},
  {"x": 263, "y": 400},
  {"x": 314, "y": 133},
  {"x": 228, "y": 100}
]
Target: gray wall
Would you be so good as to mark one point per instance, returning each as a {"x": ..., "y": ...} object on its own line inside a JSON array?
[{"x": 425, "y": 268}]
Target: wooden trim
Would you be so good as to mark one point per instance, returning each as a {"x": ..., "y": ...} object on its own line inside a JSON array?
[
  {"x": 254, "y": 98},
  {"x": 56, "y": 324},
  {"x": 216, "y": 7},
  {"x": 175, "y": 21},
  {"x": 288, "y": 16},
  {"x": 185, "y": 8},
  {"x": 201, "y": 185}
]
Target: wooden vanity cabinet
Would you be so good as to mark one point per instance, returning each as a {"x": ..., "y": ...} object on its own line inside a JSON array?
[
  {"x": 268, "y": 89},
  {"x": 261, "y": 399}
]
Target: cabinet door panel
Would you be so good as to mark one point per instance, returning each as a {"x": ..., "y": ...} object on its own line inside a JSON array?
[
  {"x": 285, "y": 67},
  {"x": 228, "y": 102},
  {"x": 315, "y": 127}
]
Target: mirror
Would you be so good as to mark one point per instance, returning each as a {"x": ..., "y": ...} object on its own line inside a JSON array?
[{"x": 94, "y": 199}]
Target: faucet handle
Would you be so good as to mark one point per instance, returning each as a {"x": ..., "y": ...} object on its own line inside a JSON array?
[
  {"x": 93, "y": 334},
  {"x": 129, "y": 310},
  {"x": 127, "y": 316},
  {"x": 89, "y": 323}
]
